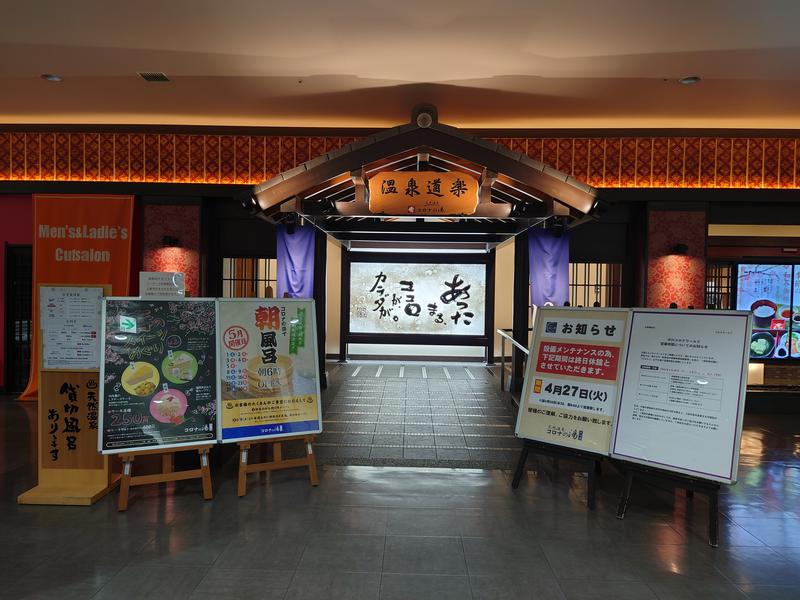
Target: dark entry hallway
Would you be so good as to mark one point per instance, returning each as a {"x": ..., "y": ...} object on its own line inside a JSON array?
[{"x": 417, "y": 414}]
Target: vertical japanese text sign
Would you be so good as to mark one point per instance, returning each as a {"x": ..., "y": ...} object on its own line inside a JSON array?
[{"x": 572, "y": 378}]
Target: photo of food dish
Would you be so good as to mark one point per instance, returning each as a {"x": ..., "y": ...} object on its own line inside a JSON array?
[
  {"x": 140, "y": 379},
  {"x": 169, "y": 406},
  {"x": 762, "y": 344},
  {"x": 180, "y": 367},
  {"x": 788, "y": 344}
]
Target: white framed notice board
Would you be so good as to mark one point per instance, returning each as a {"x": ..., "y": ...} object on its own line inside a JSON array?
[{"x": 682, "y": 395}]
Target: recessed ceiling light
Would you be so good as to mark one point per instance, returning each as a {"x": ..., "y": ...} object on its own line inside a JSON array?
[
  {"x": 689, "y": 79},
  {"x": 50, "y": 77}
]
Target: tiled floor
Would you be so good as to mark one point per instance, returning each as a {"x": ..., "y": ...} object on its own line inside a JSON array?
[
  {"x": 414, "y": 414},
  {"x": 407, "y": 533}
]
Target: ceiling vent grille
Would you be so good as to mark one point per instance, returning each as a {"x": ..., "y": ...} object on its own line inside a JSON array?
[{"x": 153, "y": 76}]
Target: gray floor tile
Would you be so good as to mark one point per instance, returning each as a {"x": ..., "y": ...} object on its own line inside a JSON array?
[
  {"x": 418, "y": 440},
  {"x": 450, "y": 453},
  {"x": 756, "y": 566},
  {"x": 689, "y": 588},
  {"x": 424, "y": 554},
  {"x": 351, "y": 519},
  {"x": 147, "y": 581},
  {"x": 491, "y": 556},
  {"x": 243, "y": 583},
  {"x": 588, "y": 561},
  {"x": 380, "y": 452},
  {"x": 591, "y": 589},
  {"x": 353, "y": 451},
  {"x": 424, "y": 587},
  {"x": 343, "y": 552},
  {"x": 247, "y": 552},
  {"x": 309, "y": 585},
  {"x": 387, "y": 439},
  {"x": 420, "y": 453},
  {"x": 517, "y": 586},
  {"x": 772, "y": 592},
  {"x": 451, "y": 441}
]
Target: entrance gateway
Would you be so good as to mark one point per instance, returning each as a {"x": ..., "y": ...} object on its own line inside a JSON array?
[{"x": 418, "y": 211}]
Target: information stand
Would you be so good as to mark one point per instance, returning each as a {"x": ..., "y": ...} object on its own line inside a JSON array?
[
  {"x": 571, "y": 387},
  {"x": 588, "y": 459},
  {"x": 277, "y": 462},
  {"x": 672, "y": 480},
  {"x": 70, "y": 471},
  {"x": 160, "y": 385},
  {"x": 679, "y": 421},
  {"x": 270, "y": 390},
  {"x": 167, "y": 474}
]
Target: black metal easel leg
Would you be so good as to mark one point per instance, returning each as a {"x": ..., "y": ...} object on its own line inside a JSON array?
[
  {"x": 626, "y": 495},
  {"x": 713, "y": 518},
  {"x": 523, "y": 458},
  {"x": 591, "y": 492}
]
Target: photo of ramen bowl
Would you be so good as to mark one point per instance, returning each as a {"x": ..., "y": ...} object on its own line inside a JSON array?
[
  {"x": 140, "y": 379},
  {"x": 763, "y": 313},
  {"x": 762, "y": 344},
  {"x": 788, "y": 344},
  {"x": 272, "y": 378}
]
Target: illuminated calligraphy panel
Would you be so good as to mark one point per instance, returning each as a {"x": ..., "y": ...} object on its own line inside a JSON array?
[{"x": 418, "y": 298}]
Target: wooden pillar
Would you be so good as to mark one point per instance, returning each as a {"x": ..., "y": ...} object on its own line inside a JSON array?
[{"x": 520, "y": 308}]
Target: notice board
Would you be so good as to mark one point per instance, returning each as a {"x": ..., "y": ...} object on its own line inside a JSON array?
[
  {"x": 269, "y": 369},
  {"x": 69, "y": 318},
  {"x": 571, "y": 381},
  {"x": 159, "y": 377},
  {"x": 683, "y": 389}
]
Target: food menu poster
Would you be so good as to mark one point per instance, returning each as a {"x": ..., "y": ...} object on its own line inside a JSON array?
[
  {"x": 772, "y": 294},
  {"x": 159, "y": 374},
  {"x": 571, "y": 383},
  {"x": 682, "y": 399},
  {"x": 269, "y": 368},
  {"x": 418, "y": 298},
  {"x": 69, "y": 318}
]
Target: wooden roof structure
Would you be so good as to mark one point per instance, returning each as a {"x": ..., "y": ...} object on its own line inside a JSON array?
[{"x": 515, "y": 193}]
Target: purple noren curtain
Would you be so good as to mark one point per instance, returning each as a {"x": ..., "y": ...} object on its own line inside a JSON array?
[
  {"x": 549, "y": 267},
  {"x": 296, "y": 262}
]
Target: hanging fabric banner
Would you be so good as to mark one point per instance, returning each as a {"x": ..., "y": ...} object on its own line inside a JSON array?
[
  {"x": 78, "y": 239},
  {"x": 296, "y": 262},
  {"x": 549, "y": 267}
]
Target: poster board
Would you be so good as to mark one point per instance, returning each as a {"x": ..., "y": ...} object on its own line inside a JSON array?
[
  {"x": 571, "y": 382},
  {"x": 683, "y": 389},
  {"x": 270, "y": 384},
  {"x": 159, "y": 374},
  {"x": 69, "y": 318}
]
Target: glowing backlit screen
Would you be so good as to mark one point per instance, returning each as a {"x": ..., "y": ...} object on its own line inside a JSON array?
[
  {"x": 767, "y": 291},
  {"x": 417, "y": 298}
]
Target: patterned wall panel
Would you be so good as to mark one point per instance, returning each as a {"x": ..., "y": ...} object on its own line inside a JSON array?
[
  {"x": 645, "y": 161},
  {"x": 183, "y": 223},
  {"x": 671, "y": 277}
]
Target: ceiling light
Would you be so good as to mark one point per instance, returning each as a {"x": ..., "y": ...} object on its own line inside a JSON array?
[
  {"x": 50, "y": 77},
  {"x": 689, "y": 79}
]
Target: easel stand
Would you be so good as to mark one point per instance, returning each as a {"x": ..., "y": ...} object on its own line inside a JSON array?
[
  {"x": 673, "y": 480},
  {"x": 592, "y": 462},
  {"x": 168, "y": 472},
  {"x": 277, "y": 461}
]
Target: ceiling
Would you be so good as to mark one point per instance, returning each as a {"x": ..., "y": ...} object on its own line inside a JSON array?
[{"x": 365, "y": 63}]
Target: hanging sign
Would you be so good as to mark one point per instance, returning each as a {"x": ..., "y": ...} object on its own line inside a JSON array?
[
  {"x": 683, "y": 390},
  {"x": 571, "y": 382},
  {"x": 270, "y": 372},
  {"x": 78, "y": 239},
  {"x": 69, "y": 318},
  {"x": 159, "y": 373},
  {"x": 423, "y": 193},
  {"x": 156, "y": 284}
]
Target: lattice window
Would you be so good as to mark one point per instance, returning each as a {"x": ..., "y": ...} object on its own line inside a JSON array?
[
  {"x": 592, "y": 284},
  {"x": 719, "y": 285},
  {"x": 249, "y": 277}
]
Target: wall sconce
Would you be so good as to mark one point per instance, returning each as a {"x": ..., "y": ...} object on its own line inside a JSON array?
[
  {"x": 680, "y": 249},
  {"x": 170, "y": 241}
]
